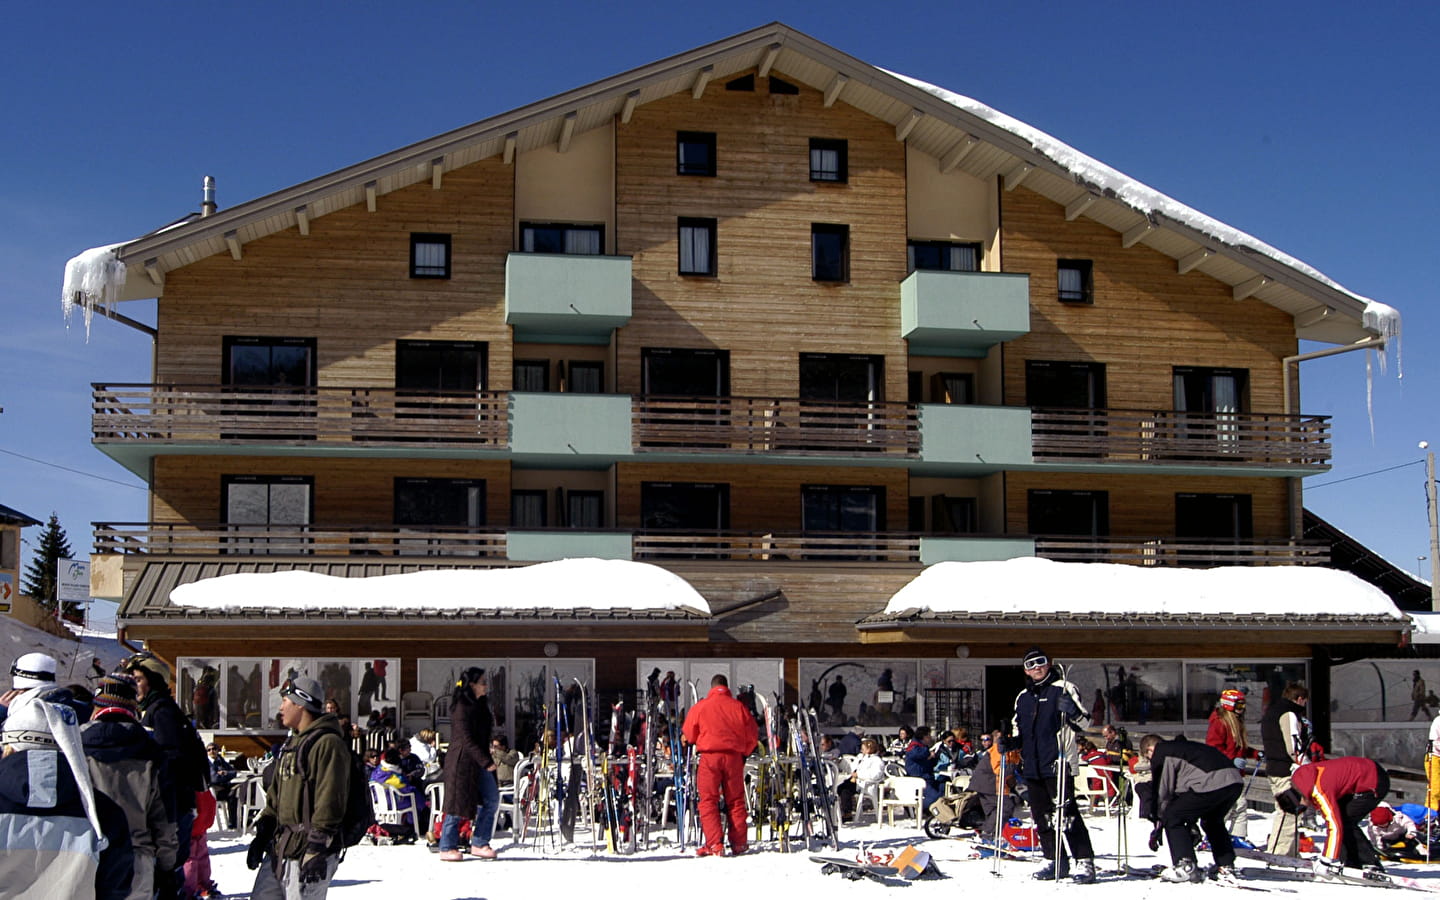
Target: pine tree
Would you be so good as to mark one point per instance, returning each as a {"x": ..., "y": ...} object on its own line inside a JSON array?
[{"x": 41, "y": 582}]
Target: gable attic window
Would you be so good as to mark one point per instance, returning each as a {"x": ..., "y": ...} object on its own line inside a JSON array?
[
  {"x": 695, "y": 153},
  {"x": 1075, "y": 285},
  {"x": 743, "y": 83},
  {"x": 781, "y": 86},
  {"x": 697, "y": 246},
  {"x": 429, "y": 255},
  {"x": 829, "y": 252},
  {"x": 829, "y": 160}
]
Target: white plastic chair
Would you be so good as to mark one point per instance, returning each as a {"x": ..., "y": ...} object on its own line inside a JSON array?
[
  {"x": 869, "y": 792},
  {"x": 252, "y": 803},
  {"x": 435, "y": 793},
  {"x": 509, "y": 793},
  {"x": 417, "y": 712},
  {"x": 901, "y": 792},
  {"x": 391, "y": 805},
  {"x": 1093, "y": 785}
]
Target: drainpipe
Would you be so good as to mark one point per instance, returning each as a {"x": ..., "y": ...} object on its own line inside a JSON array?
[
  {"x": 121, "y": 640},
  {"x": 1293, "y": 484}
]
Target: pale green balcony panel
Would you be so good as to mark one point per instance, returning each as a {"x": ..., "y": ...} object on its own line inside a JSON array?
[
  {"x": 963, "y": 313},
  {"x": 568, "y": 299},
  {"x": 962, "y": 548},
  {"x": 982, "y": 438},
  {"x": 585, "y": 430},
  {"x": 547, "y": 546}
]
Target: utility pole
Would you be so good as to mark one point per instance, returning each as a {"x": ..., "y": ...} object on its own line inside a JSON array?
[{"x": 1434, "y": 529}]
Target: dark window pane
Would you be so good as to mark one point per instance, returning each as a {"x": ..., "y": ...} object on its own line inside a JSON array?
[
  {"x": 1069, "y": 512},
  {"x": 587, "y": 509},
  {"x": 828, "y": 160},
  {"x": 829, "y": 252},
  {"x": 527, "y": 509},
  {"x": 439, "y": 366},
  {"x": 439, "y": 502},
  {"x": 684, "y": 506},
  {"x": 587, "y": 378},
  {"x": 686, "y": 373},
  {"x": 695, "y": 153},
  {"x": 838, "y": 377},
  {"x": 532, "y": 375}
]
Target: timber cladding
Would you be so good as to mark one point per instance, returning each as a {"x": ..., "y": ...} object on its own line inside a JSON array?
[
  {"x": 1146, "y": 318},
  {"x": 762, "y": 498},
  {"x": 347, "y": 285},
  {"x": 1145, "y": 504},
  {"x": 346, "y": 492},
  {"x": 762, "y": 304}
]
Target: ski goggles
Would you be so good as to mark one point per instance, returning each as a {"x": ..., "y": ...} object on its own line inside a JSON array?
[
  {"x": 1035, "y": 662},
  {"x": 288, "y": 689},
  {"x": 36, "y": 675}
]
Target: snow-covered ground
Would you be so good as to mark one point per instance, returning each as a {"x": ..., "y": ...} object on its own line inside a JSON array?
[{"x": 387, "y": 873}]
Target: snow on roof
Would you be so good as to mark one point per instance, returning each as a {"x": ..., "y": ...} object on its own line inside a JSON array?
[
  {"x": 567, "y": 584},
  {"x": 94, "y": 278},
  {"x": 1033, "y": 585},
  {"x": 1145, "y": 199},
  {"x": 1426, "y": 628}
]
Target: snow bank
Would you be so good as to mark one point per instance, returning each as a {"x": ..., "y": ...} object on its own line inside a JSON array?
[
  {"x": 92, "y": 279},
  {"x": 564, "y": 585},
  {"x": 1031, "y": 585}
]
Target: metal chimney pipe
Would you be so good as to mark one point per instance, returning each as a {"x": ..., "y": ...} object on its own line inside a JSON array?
[{"x": 207, "y": 205}]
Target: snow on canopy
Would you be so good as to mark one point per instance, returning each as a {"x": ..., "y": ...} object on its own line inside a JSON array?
[
  {"x": 564, "y": 585},
  {"x": 1033, "y": 585},
  {"x": 92, "y": 279}
]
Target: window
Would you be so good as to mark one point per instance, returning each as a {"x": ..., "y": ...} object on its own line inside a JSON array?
[
  {"x": 687, "y": 506},
  {"x": 1081, "y": 513},
  {"x": 828, "y": 160},
  {"x": 269, "y": 361},
  {"x": 697, "y": 246},
  {"x": 840, "y": 377},
  {"x": 943, "y": 256},
  {"x": 440, "y": 502},
  {"x": 577, "y": 240},
  {"x": 1205, "y": 390},
  {"x": 270, "y": 507},
  {"x": 429, "y": 255},
  {"x": 1074, "y": 281},
  {"x": 952, "y": 387},
  {"x": 743, "y": 83},
  {"x": 585, "y": 509},
  {"x": 830, "y": 252},
  {"x": 827, "y": 507},
  {"x": 586, "y": 377},
  {"x": 527, "y": 509},
  {"x": 781, "y": 86},
  {"x": 1064, "y": 385},
  {"x": 532, "y": 375},
  {"x": 685, "y": 372},
  {"x": 1213, "y": 516},
  {"x": 695, "y": 153},
  {"x": 440, "y": 366}
]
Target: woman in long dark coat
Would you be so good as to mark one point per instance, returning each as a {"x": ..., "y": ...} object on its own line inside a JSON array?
[{"x": 471, "y": 791}]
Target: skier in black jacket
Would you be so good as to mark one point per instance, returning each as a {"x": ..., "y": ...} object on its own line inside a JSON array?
[
  {"x": 1047, "y": 716},
  {"x": 1191, "y": 782},
  {"x": 1286, "y": 735}
]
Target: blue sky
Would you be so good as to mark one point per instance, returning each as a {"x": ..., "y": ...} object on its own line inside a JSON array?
[{"x": 1304, "y": 124}]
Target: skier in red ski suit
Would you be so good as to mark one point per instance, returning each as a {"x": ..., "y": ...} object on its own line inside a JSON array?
[{"x": 724, "y": 733}]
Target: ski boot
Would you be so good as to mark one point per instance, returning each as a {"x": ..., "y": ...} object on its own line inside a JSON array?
[
  {"x": 1182, "y": 872},
  {"x": 1083, "y": 872},
  {"x": 1051, "y": 873},
  {"x": 1225, "y": 875}
]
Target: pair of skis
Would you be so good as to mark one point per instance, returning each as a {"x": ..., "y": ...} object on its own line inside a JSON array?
[{"x": 1296, "y": 869}]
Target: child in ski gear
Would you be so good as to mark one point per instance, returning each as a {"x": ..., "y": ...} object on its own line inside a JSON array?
[
  {"x": 1343, "y": 790},
  {"x": 1286, "y": 735},
  {"x": 724, "y": 733},
  {"x": 1393, "y": 833},
  {"x": 1047, "y": 719},
  {"x": 391, "y": 773},
  {"x": 1226, "y": 733},
  {"x": 996, "y": 797},
  {"x": 471, "y": 791},
  {"x": 1190, "y": 783},
  {"x": 297, "y": 836}
]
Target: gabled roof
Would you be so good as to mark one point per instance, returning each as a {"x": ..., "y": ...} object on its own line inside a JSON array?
[
  {"x": 960, "y": 133},
  {"x": 10, "y": 516},
  {"x": 1349, "y": 555}
]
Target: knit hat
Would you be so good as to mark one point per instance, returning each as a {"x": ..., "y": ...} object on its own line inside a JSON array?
[
  {"x": 1382, "y": 816},
  {"x": 33, "y": 670},
  {"x": 117, "y": 694},
  {"x": 47, "y": 729},
  {"x": 305, "y": 691}
]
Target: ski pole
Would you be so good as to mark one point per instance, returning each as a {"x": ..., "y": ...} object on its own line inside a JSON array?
[{"x": 999, "y": 817}]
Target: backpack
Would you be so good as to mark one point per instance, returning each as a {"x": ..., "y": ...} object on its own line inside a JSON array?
[{"x": 359, "y": 814}]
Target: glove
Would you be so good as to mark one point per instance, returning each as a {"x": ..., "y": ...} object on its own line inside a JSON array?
[
  {"x": 1326, "y": 869},
  {"x": 264, "y": 834},
  {"x": 314, "y": 864},
  {"x": 1240, "y": 762},
  {"x": 1157, "y": 836}
]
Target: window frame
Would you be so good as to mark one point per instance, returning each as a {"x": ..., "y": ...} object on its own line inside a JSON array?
[
  {"x": 710, "y": 227},
  {"x": 482, "y": 510},
  {"x": 597, "y": 227},
  {"x": 841, "y": 147},
  {"x": 976, "y": 247},
  {"x": 430, "y": 237},
  {"x": 1087, "y": 281},
  {"x": 701, "y": 138},
  {"x": 517, "y": 494},
  {"x": 830, "y": 229}
]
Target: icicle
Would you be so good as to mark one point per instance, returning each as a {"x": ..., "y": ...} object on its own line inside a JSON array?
[
  {"x": 92, "y": 279},
  {"x": 1385, "y": 321},
  {"x": 1370, "y": 387}
]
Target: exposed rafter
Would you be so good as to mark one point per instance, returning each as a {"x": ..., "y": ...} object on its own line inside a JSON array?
[
  {"x": 437, "y": 170},
  {"x": 372, "y": 190},
  {"x": 152, "y": 268},
  {"x": 702, "y": 78},
  {"x": 302, "y": 218},
  {"x": 567, "y": 131},
  {"x": 952, "y": 157},
  {"x": 1015, "y": 176},
  {"x": 232, "y": 240},
  {"x": 832, "y": 91},
  {"x": 1134, "y": 235},
  {"x": 511, "y": 140},
  {"x": 1076, "y": 207},
  {"x": 1312, "y": 316},
  {"x": 631, "y": 100},
  {"x": 1189, "y": 261},
  {"x": 772, "y": 52},
  {"x": 907, "y": 124},
  {"x": 1248, "y": 288}
]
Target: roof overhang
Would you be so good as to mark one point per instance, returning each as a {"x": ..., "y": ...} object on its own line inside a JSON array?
[{"x": 957, "y": 138}]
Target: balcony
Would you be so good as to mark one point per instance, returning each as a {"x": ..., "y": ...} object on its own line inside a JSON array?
[
  {"x": 566, "y": 299},
  {"x": 1147, "y": 440},
  {"x": 199, "y": 539},
  {"x": 961, "y": 437},
  {"x": 1172, "y": 551},
  {"x": 132, "y": 422},
  {"x": 962, "y": 313},
  {"x": 774, "y": 427},
  {"x": 584, "y": 430},
  {"x": 849, "y": 546}
]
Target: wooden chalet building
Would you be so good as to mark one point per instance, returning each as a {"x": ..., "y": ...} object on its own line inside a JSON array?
[{"x": 762, "y": 314}]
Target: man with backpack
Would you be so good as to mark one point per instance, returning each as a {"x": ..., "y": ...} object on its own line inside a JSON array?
[{"x": 301, "y": 833}]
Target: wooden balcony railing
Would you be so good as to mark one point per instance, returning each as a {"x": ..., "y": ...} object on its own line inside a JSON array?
[
  {"x": 177, "y": 412},
  {"x": 774, "y": 425},
  {"x": 830, "y": 546},
  {"x": 1168, "y": 551},
  {"x": 1168, "y": 437},
  {"x": 187, "y": 539}
]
